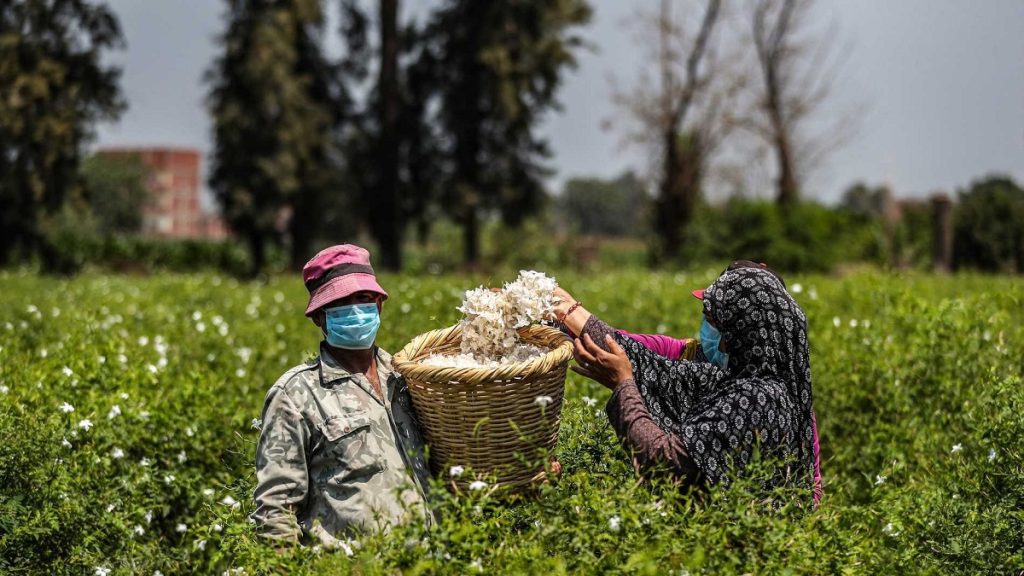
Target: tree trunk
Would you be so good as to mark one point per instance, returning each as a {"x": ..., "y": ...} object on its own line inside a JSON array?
[
  {"x": 787, "y": 186},
  {"x": 667, "y": 216},
  {"x": 257, "y": 254},
  {"x": 388, "y": 218}
]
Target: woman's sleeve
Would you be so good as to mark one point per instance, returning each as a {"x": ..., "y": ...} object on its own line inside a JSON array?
[
  {"x": 667, "y": 346},
  {"x": 651, "y": 446}
]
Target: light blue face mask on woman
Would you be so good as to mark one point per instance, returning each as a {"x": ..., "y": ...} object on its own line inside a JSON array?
[
  {"x": 352, "y": 327},
  {"x": 710, "y": 338}
]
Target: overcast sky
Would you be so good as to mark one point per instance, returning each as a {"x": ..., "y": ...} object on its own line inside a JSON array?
[{"x": 940, "y": 83}]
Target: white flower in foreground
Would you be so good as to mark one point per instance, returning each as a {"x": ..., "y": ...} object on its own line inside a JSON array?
[
  {"x": 957, "y": 448},
  {"x": 144, "y": 461},
  {"x": 796, "y": 288},
  {"x": 240, "y": 373},
  {"x": 890, "y": 530},
  {"x": 149, "y": 517},
  {"x": 991, "y": 454},
  {"x": 182, "y": 457},
  {"x": 181, "y": 528},
  {"x": 110, "y": 508},
  {"x": 477, "y": 565},
  {"x": 157, "y": 573},
  {"x": 4, "y": 389},
  {"x": 201, "y": 544},
  {"x": 138, "y": 530},
  {"x": 143, "y": 341},
  {"x": 543, "y": 401},
  {"x": 115, "y": 411},
  {"x": 207, "y": 492},
  {"x": 456, "y": 471},
  {"x": 229, "y": 501},
  {"x": 590, "y": 401},
  {"x": 614, "y": 523},
  {"x": 101, "y": 571},
  {"x": 64, "y": 442},
  {"x": 85, "y": 424},
  {"x": 879, "y": 480},
  {"x": 257, "y": 424},
  {"x": 67, "y": 408},
  {"x": 124, "y": 396},
  {"x": 117, "y": 453},
  {"x": 836, "y": 321},
  {"x": 477, "y": 485},
  {"x": 200, "y": 327},
  {"x": 190, "y": 432},
  {"x": 218, "y": 527},
  {"x": 67, "y": 371},
  {"x": 853, "y": 322},
  {"x": 168, "y": 478}
]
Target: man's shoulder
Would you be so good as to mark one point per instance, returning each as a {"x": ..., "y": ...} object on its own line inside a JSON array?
[{"x": 298, "y": 377}]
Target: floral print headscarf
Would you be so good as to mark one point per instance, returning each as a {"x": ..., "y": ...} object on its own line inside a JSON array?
[{"x": 763, "y": 398}]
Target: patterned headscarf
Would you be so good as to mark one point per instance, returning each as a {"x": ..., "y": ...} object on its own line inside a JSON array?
[{"x": 763, "y": 397}]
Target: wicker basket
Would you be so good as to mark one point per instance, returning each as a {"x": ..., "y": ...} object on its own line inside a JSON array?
[{"x": 488, "y": 419}]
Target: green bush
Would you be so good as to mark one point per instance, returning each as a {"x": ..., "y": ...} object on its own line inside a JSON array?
[{"x": 917, "y": 390}]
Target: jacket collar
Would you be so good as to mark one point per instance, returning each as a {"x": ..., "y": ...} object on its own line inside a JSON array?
[{"x": 332, "y": 371}]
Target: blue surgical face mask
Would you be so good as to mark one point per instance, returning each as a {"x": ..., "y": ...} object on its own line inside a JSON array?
[
  {"x": 352, "y": 327},
  {"x": 710, "y": 338}
]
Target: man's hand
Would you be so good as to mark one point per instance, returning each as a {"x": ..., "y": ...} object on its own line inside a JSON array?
[{"x": 610, "y": 368}]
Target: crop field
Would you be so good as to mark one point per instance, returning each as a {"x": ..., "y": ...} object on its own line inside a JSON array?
[{"x": 129, "y": 412}]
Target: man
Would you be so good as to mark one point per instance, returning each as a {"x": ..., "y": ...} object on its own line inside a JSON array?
[{"x": 340, "y": 449}]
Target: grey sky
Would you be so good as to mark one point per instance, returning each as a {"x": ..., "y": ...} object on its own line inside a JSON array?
[{"x": 941, "y": 83}]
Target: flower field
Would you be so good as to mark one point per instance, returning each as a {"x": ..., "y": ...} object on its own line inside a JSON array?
[{"x": 129, "y": 412}]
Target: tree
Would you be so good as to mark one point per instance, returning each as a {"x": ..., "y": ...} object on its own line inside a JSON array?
[
  {"x": 115, "y": 190},
  {"x": 606, "y": 207},
  {"x": 797, "y": 72},
  {"x": 683, "y": 115},
  {"x": 499, "y": 66},
  {"x": 274, "y": 107},
  {"x": 53, "y": 88},
  {"x": 989, "y": 226}
]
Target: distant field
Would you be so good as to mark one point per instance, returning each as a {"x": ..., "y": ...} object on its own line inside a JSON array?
[{"x": 918, "y": 390}]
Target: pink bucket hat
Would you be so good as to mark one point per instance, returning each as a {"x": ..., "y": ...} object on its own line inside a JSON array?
[{"x": 337, "y": 272}]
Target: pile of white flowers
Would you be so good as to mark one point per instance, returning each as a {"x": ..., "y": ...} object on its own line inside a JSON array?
[{"x": 491, "y": 319}]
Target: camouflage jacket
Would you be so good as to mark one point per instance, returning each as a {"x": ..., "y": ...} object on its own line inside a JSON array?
[{"x": 333, "y": 456}]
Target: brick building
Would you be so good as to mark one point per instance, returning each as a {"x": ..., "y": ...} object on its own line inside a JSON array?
[{"x": 174, "y": 209}]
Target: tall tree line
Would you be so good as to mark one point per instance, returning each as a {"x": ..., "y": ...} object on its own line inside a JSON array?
[
  {"x": 53, "y": 88},
  {"x": 446, "y": 126}
]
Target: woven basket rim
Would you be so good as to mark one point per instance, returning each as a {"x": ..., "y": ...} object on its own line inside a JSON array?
[{"x": 407, "y": 361}]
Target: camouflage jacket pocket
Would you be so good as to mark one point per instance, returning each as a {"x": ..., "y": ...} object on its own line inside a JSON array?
[{"x": 350, "y": 448}]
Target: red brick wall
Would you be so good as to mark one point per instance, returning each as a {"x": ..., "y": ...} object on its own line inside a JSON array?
[{"x": 174, "y": 210}]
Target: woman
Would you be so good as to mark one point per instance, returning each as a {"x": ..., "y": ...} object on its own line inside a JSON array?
[{"x": 701, "y": 418}]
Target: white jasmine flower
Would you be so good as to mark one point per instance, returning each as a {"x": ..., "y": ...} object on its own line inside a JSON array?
[
  {"x": 67, "y": 371},
  {"x": 168, "y": 478},
  {"x": 956, "y": 448},
  {"x": 244, "y": 354},
  {"x": 64, "y": 442},
  {"x": 853, "y": 322},
  {"x": 613, "y": 523},
  {"x": 477, "y": 565},
  {"x": 4, "y": 389},
  {"x": 813, "y": 294},
  {"x": 542, "y": 401},
  {"x": 117, "y": 453},
  {"x": 110, "y": 508},
  {"x": 115, "y": 411},
  {"x": 590, "y": 401},
  {"x": 207, "y": 492},
  {"x": 101, "y": 571},
  {"x": 836, "y": 321},
  {"x": 991, "y": 454},
  {"x": 229, "y": 501},
  {"x": 43, "y": 353},
  {"x": 456, "y": 471},
  {"x": 890, "y": 530},
  {"x": 149, "y": 517},
  {"x": 189, "y": 432},
  {"x": 85, "y": 424},
  {"x": 138, "y": 530},
  {"x": 122, "y": 358},
  {"x": 152, "y": 368},
  {"x": 182, "y": 457},
  {"x": 181, "y": 528},
  {"x": 257, "y": 424},
  {"x": 157, "y": 573},
  {"x": 143, "y": 341},
  {"x": 197, "y": 316},
  {"x": 477, "y": 485},
  {"x": 201, "y": 544},
  {"x": 67, "y": 408},
  {"x": 144, "y": 461},
  {"x": 200, "y": 327},
  {"x": 124, "y": 396},
  {"x": 144, "y": 415},
  {"x": 240, "y": 373},
  {"x": 406, "y": 307},
  {"x": 879, "y": 480},
  {"x": 796, "y": 288},
  {"x": 218, "y": 527}
]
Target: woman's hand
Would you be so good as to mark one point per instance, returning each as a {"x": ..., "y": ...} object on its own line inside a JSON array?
[
  {"x": 610, "y": 368},
  {"x": 563, "y": 300}
]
